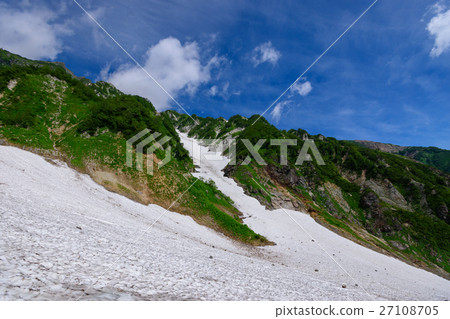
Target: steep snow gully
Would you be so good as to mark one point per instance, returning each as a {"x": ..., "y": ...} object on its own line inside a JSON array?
[{"x": 65, "y": 237}]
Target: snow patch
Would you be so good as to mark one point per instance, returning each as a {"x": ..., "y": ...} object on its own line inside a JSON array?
[
  {"x": 65, "y": 237},
  {"x": 298, "y": 237}
]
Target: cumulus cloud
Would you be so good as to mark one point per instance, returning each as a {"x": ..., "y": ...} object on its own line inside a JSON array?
[
  {"x": 439, "y": 29},
  {"x": 278, "y": 110},
  {"x": 175, "y": 66},
  {"x": 265, "y": 53},
  {"x": 30, "y": 32},
  {"x": 302, "y": 88}
]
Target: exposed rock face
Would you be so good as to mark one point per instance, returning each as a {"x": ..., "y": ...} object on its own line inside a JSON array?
[
  {"x": 326, "y": 200},
  {"x": 398, "y": 245},
  {"x": 282, "y": 200},
  {"x": 336, "y": 193},
  {"x": 387, "y": 193},
  {"x": 370, "y": 200},
  {"x": 354, "y": 178},
  {"x": 12, "y": 84},
  {"x": 384, "y": 189},
  {"x": 389, "y": 148},
  {"x": 377, "y": 221},
  {"x": 279, "y": 196},
  {"x": 286, "y": 176},
  {"x": 421, "y": 195},
  {"x": 442, "y": 212}
]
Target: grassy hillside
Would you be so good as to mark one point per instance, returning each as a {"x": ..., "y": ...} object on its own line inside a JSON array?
[
  {"x": 46, "y": 109},
  {"x": 385, "y": 201},
  {"x": 432, "y": 156}
]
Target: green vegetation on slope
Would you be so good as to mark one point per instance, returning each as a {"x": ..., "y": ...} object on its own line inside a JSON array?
[
  {"x": 402, "y": 203},
  {"x": 433, "y": 156},
  {"x": 44, "y": 107}
]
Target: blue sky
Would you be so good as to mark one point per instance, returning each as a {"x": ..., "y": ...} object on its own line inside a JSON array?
[{"x": 387, "y": 79}]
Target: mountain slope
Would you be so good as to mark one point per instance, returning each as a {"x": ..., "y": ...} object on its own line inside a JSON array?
[
  {"x": 433, "y": 156},
  {"x": 45, "y": 109},
  {"x": 66, "y": 237},
  {"x": 384, "y": 201}
]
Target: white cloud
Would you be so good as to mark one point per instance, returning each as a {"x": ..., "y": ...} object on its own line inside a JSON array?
[
  {"x": 213, "y": 90},
  {"x": 438, "y": 7},
  {"x": 439, "y": 28},
  {"x": 225, "y": 88},
  {"x": 221, "y": 91},
  {"x": 277, "y": 111},
  {"x": 30, "y": 32},
  {"x": 303, "y": 88},
  {"x": 265, "y": 53},
  {"x": 100, "y": 39},
  {"x": 175, "y": 66}
]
